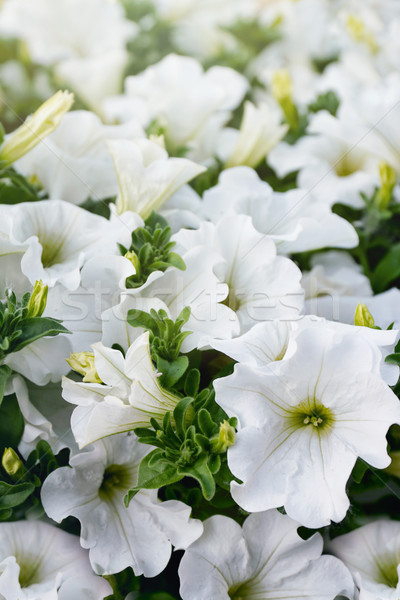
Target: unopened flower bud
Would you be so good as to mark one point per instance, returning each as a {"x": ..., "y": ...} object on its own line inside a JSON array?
[
  {"x": 388, "y": 178},
  {"x": 36, "y": 127},
  {"x": 83, "y": 363},
  {"x": 224, "y": 439},
  {"x": 12, "y": 464},
  {"x": 363, "y": 317},
  {"x": 37, "y": 301},
  {"x": 282, "y": 91}
]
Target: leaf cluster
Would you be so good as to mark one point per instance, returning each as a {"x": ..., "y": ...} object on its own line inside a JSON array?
[
  {"x": 185, "y": 443},
  {"x": 152, "y": 250}
]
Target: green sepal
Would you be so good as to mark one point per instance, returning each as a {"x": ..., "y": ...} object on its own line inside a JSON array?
[
  {"x": 140, "y": 318},
  {"x": 5, "y": 514},
  {"x": 214, "y": 463},
  {"x": 5, "y": 373},
  {"x": 14, "y": 494}
]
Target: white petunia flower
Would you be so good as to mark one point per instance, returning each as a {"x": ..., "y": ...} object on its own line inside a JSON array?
[
  {"x": 147, "y": 177},
  {"x": 189, "y": 105},
  {"x": 74, "y": 163},
  {"x": 372, "y": 553},
  {"x": 196, "y": 287},
  {"x": 138, "y": 536},
  {"x": 40, "y": 562},
  {"x": 262, "y": 286},
  {"x": 303, "y": 423},
  {"x": 266, "y": 558},
  {"x": 87, "y": 53},
  {"x": 295, "y": 220},
  {"x": 128, "y": 397},
  {"x": 58, "y": 237}
]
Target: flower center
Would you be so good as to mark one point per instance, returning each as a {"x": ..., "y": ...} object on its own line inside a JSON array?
[
  {"x": 29, "y": 570},
  {"x": 388, "y": 572},
  {"x": 116, "y": 477},
  {"x": 51, "y": 251},
  {"x": 312, "y": 414}
]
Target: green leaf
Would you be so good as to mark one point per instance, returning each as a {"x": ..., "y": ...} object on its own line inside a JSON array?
[
  {"x": 171, "y": 371},
  {"x": 201, "y": 472},
  {"x": 206, "y": 424},
  {"x": 393, "y": 359},
  {"x": 11, "y": 423},
  {"x": 5, "y": 373},
  {"x": 176, "y": 261},
  {"x": 35, "y": 328},
  {"x": 180, "y": 415},
  {"x": 192, "y": 383},
  {"x": 387, "y": 270},
  {"x": 139, "y": 318},
  {"x": 155, "y": 476},
  {"x": 156, "y": 221},
  {"x": 2, "y": 133},
  {"x": 14, "y": 495},
  {"x": 359, "y": 470}
]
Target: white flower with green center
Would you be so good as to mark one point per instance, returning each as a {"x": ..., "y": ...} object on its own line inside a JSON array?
[
  {"x": 295, "y": 220},
  {"x": 58, "y": 238},
  {"x": 129, "y": 396},
  {"x": 304, "y": 421},
  {"x": 41, "y": 562},
  {"x": 147, "y": 177},
  {"x": 262, "y": 286},
  {"x": 372, "y": 553},
  {"x": 138, "y": 536},
  {"x": 265, "y": 559}
]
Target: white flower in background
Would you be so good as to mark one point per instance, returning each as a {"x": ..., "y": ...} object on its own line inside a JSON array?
[
  {"x": 262, "y": 286},
  {"x": 138, "y": 536},
  {"x": 74, "y": 163},
  {"x": 266, "y": 558},
  {"x": 303, "y": 423},
  {"x": 190, "y": 106},
  {"x": 333, "y": 170},
  {"x": 196, "y": 287},
  {"x": 147, "y": 177},
  {"x": 87, "y": 53},
  {"x": 41, "y": 562},
  {"x": 372, "y": 553},
  {"x": 198, "y": 26},
  {"x": 128, "y": 397},
  {"x": 295, "y": 220},
  {"x": 38, "y": 126},
  {"x": 59, "y": 237},
  {"x": 335, "y": 274},
  {"x": 260, "y": 130}
]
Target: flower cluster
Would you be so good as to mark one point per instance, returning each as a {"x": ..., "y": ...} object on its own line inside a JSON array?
[{"x": 199, "y": 303}]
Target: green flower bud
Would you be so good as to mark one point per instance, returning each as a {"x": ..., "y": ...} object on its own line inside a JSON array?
[
  {"x": 36, "y": 127},
  {"x": 133, "y": 257},
  {"x": 282, "y": 91},
  {"x": 37, "y": 301},
  {"x": 363, "y": 317},
  {"x": 12, "y": 464},
  {"x": 225, "y": 438},
  {"x": 83, "y": 363},
  {"x": 388, "y": 180}
]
